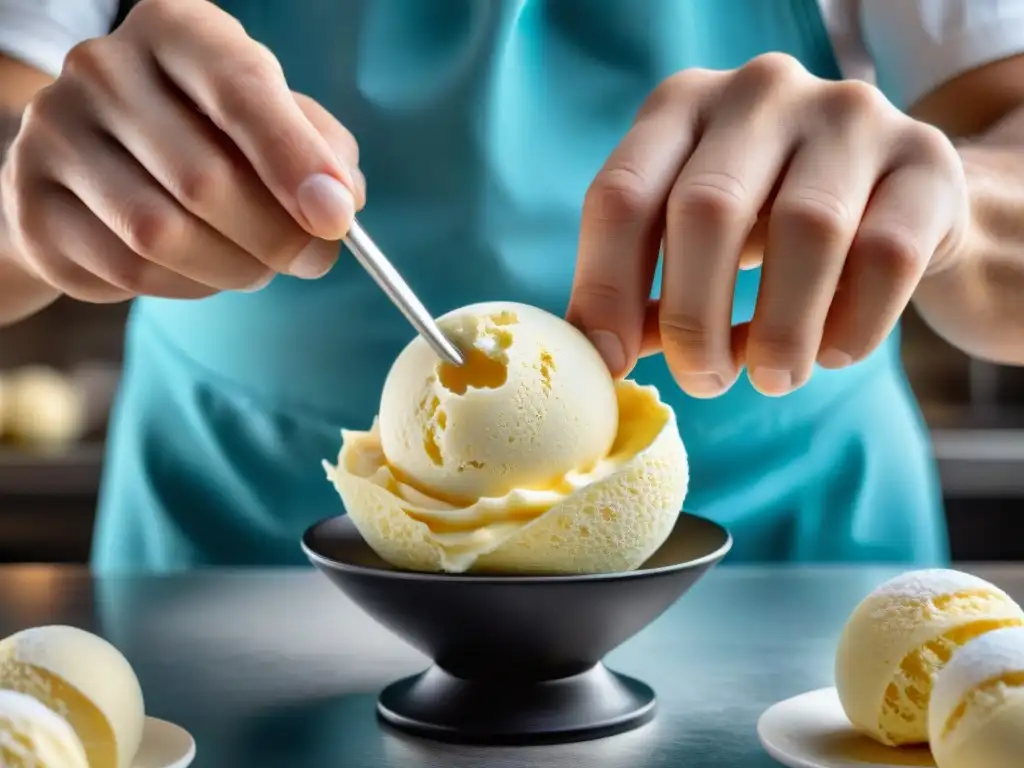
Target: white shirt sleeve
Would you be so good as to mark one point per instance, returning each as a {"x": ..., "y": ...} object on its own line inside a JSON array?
[
  {"x": 917, "y": 45},
  {"x": 41, "y": 32}
]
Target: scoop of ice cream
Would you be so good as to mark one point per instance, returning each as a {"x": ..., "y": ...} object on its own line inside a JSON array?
[
  {"x": 86, "y": 681},
  {"x": 901, "y": 636},
  {"x": 976, "y": 717},
  {"x": 34, "y": 736},
  {"x": 533, "y": 402},
  {"x": 546, "y": 466}
]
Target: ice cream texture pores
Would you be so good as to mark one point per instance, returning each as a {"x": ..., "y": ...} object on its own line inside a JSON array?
[
  {"x": 34, "y": 736},
  {"x": 529, "y": 458},
  {"x": 901, "y": 636},
  {"x": 533, "y": 402},
  {"x": 83, "y": 679},
  {"x": 976, "y": 717}
]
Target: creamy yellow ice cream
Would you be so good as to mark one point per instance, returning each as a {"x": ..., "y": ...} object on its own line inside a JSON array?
[
  {"x": 86, "y": 681},
  {"x": 34, "y": 736},
  {"x": 976, "y": 718},
  {"x": 533, "y": 402},
  {"x": 529, "y": 458},
  {"x": 901, "y": 636}
]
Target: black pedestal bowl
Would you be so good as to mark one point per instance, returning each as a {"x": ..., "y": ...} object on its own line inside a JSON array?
[{"x": 517, "y": 659}]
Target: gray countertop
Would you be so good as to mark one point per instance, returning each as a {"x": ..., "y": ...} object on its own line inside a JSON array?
[{"x": 277, "y": 668}]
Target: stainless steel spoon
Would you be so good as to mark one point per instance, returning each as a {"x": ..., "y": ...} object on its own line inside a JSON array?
[{"x": 391, "y": 282}]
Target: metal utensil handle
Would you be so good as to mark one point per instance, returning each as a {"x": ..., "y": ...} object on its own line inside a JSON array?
[{"x": 391, "y": 282}]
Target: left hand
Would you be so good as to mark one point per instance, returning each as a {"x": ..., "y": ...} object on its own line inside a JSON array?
[{"x": 843, "y": 200}]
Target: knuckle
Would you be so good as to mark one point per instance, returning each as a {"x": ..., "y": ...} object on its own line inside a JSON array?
[
  {"x": 930, "y": 145},
  {"x": 83, "y": 58},
  {"x": 716, "y": 198},
  {"x": 897, "y": 251},
  {"x": 769, "y": 69},
  {"x": 621, "y": 194},
  {"x": 819, "y": 213},
  {"x": 683, "y": 84},
  {"x": 201, "y": 184},
  {"x": 90, "y": 62},
  {"x": 851, "y": 99},
  {"x": 153, "y": 11},
  {"x": 778, "y": 342},
  {"x": 264, "y": 58},
  {"x": 42, "y": 112},
  {"x": 147, "y": 226},
  {"x": 597, "y": 291},
  {"x": 686, "y": 332},
  {"x": 283, "y": 246}
]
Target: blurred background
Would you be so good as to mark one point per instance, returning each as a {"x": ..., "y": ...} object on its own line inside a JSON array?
[{"x": 59, "y": 372}]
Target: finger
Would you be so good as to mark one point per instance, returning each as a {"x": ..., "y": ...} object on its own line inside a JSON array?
[
  {"x": 752, "y": 252},
  {"x": 905, "y": 223},
  {"x": 204, "y": 171},
  {"x": 27, "y": 190},
  {"x": 151, "y": 223},
  {"x": 651, "y": 340},
  {"x": 652, "y": 335},
  {"x": 79, "y": 238},
  {"x": 621, "y": 228},
  {"x": 711, "y": 213},
  {"x": 240, "y": 86},
  {"x": 812, "y": 223},
  {"x": 30, "y": 231},
  {"x": 341, "y": 140}
]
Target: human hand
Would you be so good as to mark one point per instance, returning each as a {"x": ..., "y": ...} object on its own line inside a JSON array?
[
  {"x": 171, "y": 159},
  {"x": 842, "y": 199}
]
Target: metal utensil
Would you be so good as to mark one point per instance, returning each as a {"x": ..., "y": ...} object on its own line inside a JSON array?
[{"x": 386, "y": 276}]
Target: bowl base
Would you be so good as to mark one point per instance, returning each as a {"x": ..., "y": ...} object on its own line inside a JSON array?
[{"x": 437, "y": 705}]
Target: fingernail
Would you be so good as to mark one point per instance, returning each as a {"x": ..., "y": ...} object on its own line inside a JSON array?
[
  {"x": 702, "y": 384},
  {"x": 771, "y": 381},
  {"x": 610, "y": 347},
  {"x": 314, "y": 261},
  {"x": 327, "y": 205},
  {"x": 834, "y": 358},
  {"x": 260, "y": 284}
]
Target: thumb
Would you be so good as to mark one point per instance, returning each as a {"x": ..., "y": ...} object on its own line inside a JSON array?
[{"x": 609, "y": 298}]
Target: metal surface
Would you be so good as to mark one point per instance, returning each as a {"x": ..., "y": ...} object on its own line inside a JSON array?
[
  {"x": 386, "y": 276},
  {"x": 272, "y": 669}
]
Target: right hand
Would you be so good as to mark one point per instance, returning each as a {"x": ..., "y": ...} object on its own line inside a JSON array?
[{"x": 171, "y": 159}]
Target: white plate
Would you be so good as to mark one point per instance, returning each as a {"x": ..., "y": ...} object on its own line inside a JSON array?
[
  {"x": 165, "y": 745},
  {"x": 812, "y": 731}
]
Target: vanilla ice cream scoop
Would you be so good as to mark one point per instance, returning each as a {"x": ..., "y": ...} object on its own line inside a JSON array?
[
  {"x": 976, "y": 717},
  {"x": 529, "y": 458},
  {"x": 86, "y": 681},
  {"x": 34, "y": 736},
  {"x": 901, "y": 636},
  {"x": 533, "y": 402}
]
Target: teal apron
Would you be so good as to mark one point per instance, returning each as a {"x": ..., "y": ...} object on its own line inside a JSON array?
[{"x": 481, "y": 125}]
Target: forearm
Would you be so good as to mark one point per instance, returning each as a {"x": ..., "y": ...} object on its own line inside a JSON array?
[
  {"x": 977, "y": 303},
  {"x": 21, "y": 294}
]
